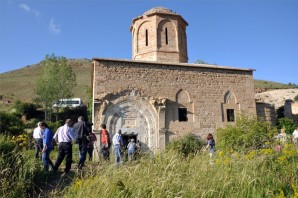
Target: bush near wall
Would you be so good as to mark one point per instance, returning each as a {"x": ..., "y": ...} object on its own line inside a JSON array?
[
  {"x": 286, "y": 123},
  {"x": 189, "y": 144},
  {"x": 245, "y": 135}
]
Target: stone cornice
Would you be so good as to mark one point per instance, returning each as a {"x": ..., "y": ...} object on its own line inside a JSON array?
[{"x": 174, "y": 64}]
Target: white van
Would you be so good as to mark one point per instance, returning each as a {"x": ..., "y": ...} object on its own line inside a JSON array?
[{"x": 70, "y": 102}]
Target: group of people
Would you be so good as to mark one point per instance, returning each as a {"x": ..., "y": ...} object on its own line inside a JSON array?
[
  {"x": 79, "y": 132},
  {"x": 118, "y": 145}
]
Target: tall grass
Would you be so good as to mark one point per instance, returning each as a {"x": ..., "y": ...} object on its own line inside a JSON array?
[
  {"x": 16, "y": 170},
  {"x": 261, "y": 174}
]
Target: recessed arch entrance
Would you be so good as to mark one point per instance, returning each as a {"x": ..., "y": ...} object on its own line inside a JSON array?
[{"x": 133, "y": 115}]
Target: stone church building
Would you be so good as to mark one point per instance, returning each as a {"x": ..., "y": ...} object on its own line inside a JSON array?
[{"x": 157, "y": 96}]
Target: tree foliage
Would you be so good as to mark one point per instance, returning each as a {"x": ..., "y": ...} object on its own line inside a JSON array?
[
  {"x": 56, "y": 82},
  {"x": 25, "y": 109},
  {"x": 189, "y": 144},
  {"x": 200, "y": 61},
  {"x": 247, "y": 134},
  {"x": 287, "y": 124},
  {"x": 10, "y": 124}
]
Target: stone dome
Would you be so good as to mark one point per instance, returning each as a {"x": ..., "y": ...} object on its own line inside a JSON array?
[{"x": 160, "y": 10}]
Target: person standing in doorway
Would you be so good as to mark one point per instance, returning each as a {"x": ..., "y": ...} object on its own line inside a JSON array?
[
  {"x": 64, "y": 137},
  {"x": 105, "y": 143},
  {"x": 37, "y": 136},
  {"x": 47, "y": 146},
  {"x": 82, "y": 134},
  {"x": 118, "y": 143},
  {"x": 131, "y": 149}
]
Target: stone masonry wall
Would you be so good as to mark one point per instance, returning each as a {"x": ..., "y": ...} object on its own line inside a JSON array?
[{"x": 206, "y": 88}]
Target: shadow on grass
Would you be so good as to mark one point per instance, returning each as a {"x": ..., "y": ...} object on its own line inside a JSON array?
[{"x": 48, "y": 184}]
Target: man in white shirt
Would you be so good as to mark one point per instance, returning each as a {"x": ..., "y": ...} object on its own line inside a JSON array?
[
  {"x": 118, "y": 143},
  {"x": 295, "y": 135},
  {"x": 37, "y": 136},
  {"x": 64, "y": 137}
]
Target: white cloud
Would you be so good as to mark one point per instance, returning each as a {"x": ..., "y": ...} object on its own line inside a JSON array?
[
  {"x": 54, "y": 28},
  {"x": 25, "y": 7}
]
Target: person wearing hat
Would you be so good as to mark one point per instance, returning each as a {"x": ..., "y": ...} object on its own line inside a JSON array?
[
  {"x": 131, "y": 149},
  {"x": 64, "y": 137}
]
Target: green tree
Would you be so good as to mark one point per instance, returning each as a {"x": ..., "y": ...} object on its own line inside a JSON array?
[
  {"x": 10, "y": 124},
  {"x": 200, "y": 61},
  {"x": 56, "y": 82},
  {"x": 286, "y": 123},
  {"x": 29, "y": 110}
]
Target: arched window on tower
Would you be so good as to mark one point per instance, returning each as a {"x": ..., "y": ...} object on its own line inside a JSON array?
[
  {"x": 166, "y": 32},
  {"x": 146, "y": 37}
]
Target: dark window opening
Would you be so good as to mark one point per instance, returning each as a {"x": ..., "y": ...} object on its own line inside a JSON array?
[
  {"x": 167, "y": 41},
  {"x": 230, "y": 115},
  {"x": 146, "y": 37},
  {"x": 182, "y": 112}
]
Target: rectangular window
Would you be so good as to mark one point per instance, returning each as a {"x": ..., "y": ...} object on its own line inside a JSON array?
[
  {"x": 230, "y": 115},
  {"x": 182, "y": 113},
  {"x": 146, "y": 37},
  {"x": 167, "y": 41}
]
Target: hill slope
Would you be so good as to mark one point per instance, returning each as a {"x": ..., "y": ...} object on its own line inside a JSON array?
[{"x": 21, "y": 83}]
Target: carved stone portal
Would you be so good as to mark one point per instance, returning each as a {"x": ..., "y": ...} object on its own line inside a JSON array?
[{"x": 132, "y": 115}]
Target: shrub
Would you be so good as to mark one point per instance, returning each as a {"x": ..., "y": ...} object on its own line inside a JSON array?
[
  {"x": 10, "y": 124},
  {"x": 29, "y": 110},
  {"x": 247, "y": 134},
  {"x": 74, "y": 113},
  {"x": 55, "y": 125},
  {"x": 189, "y": 144},
  {"x": 32, "y": 123},
  {"x": 287, "y": 124},
  {"x": 6, "y": 145},
  {"x": 23, "y": 141}
]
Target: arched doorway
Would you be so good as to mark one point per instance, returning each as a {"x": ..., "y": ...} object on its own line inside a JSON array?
[{"x": 135, "y": 117}]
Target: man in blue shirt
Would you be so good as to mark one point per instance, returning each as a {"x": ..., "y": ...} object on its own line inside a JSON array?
[
  {"x": 47, "y": 145},
  {"x": 64, "y": 137}
]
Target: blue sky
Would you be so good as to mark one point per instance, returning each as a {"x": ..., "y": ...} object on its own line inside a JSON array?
[{"x": 258, "y": 34}]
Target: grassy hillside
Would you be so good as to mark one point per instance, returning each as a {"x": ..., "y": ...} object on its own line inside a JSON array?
[
  {"x": 262, "y": 84},
  {"x": 21, "y": 83}
]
